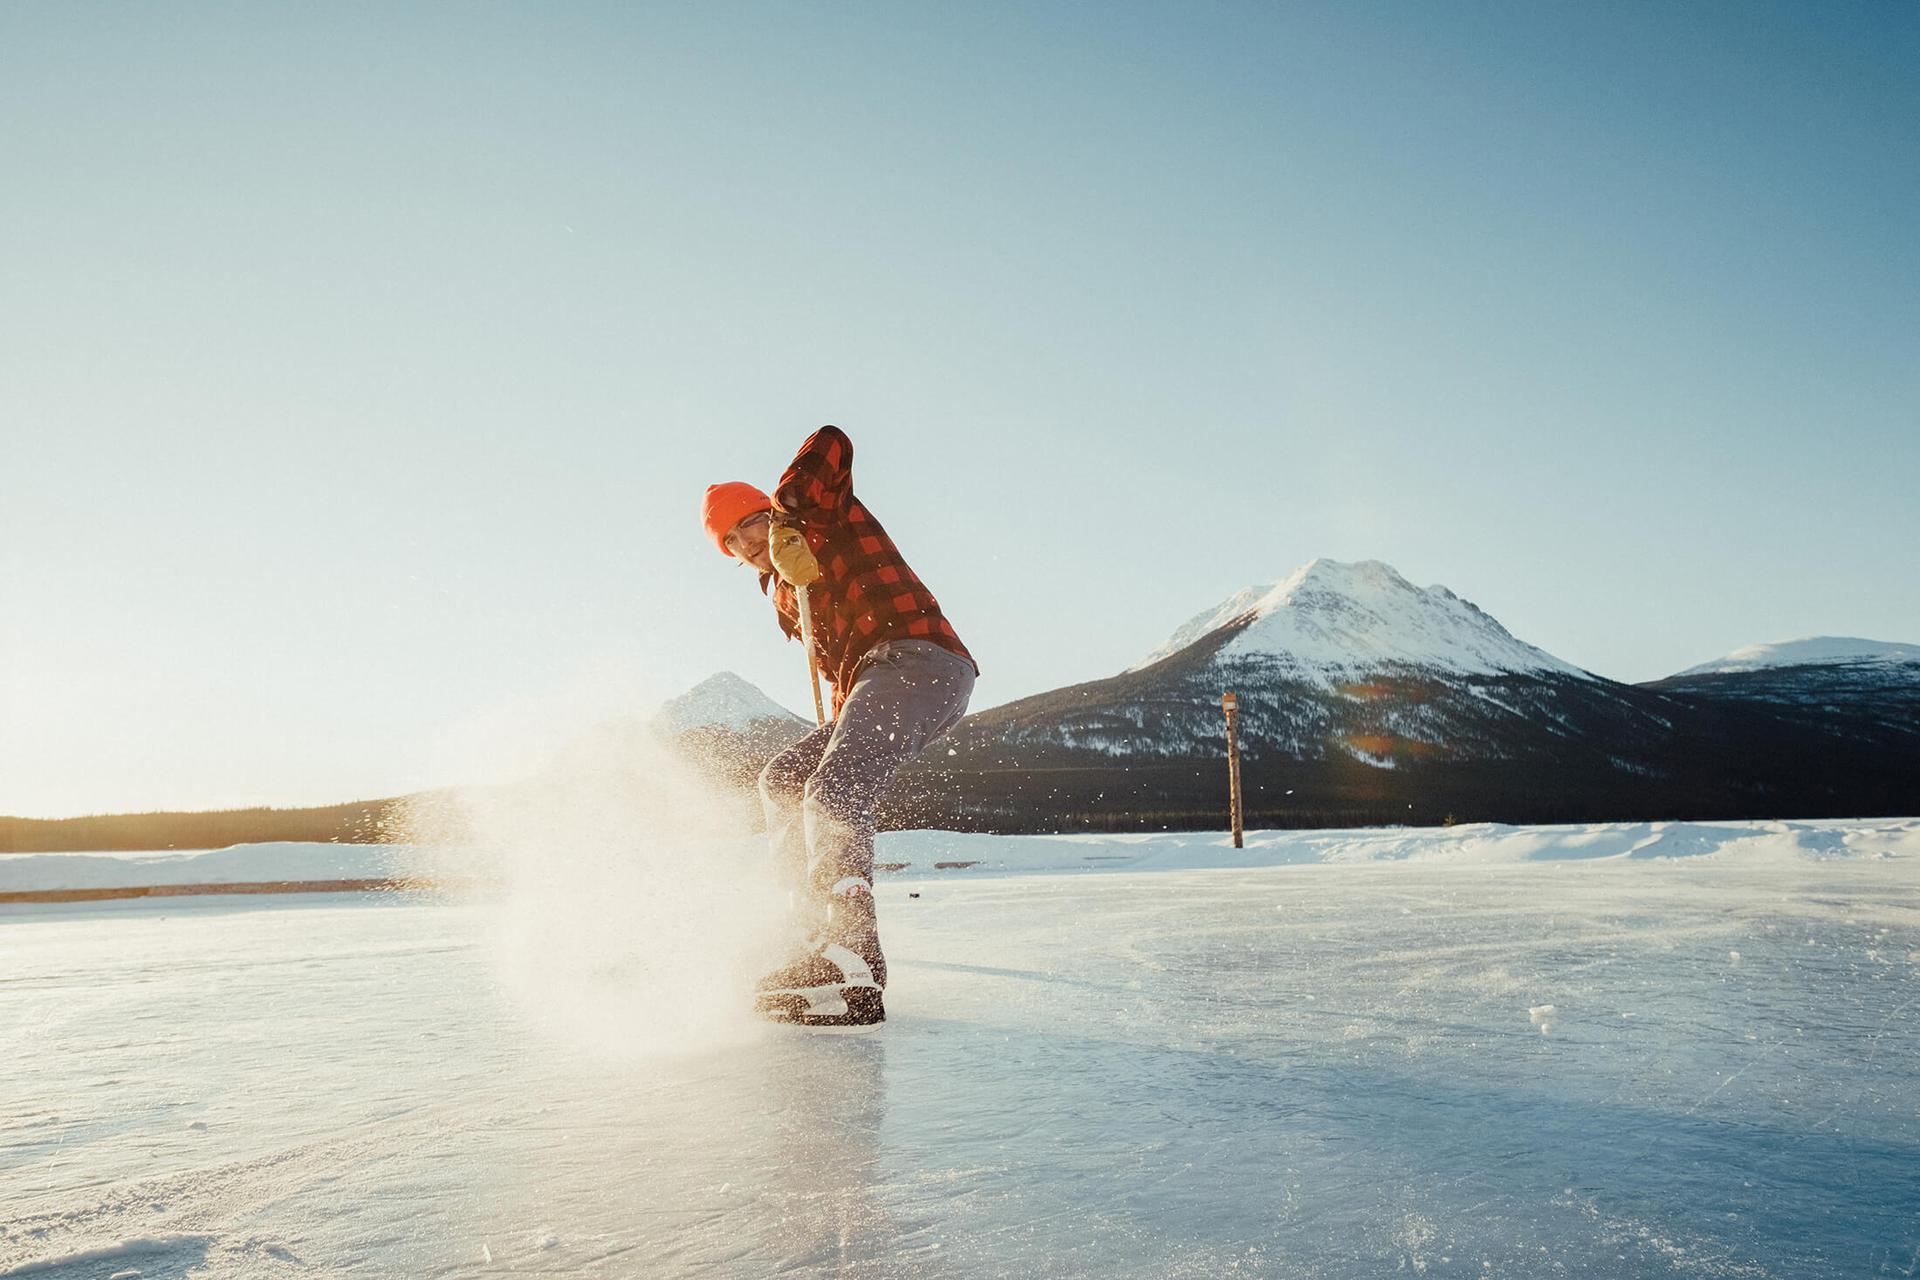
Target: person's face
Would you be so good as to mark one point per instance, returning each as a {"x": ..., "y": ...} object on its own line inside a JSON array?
[{"x": 748, "y": 541}]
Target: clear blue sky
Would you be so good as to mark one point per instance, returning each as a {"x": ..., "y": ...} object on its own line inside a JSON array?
[{"x": 361, "y": 365}]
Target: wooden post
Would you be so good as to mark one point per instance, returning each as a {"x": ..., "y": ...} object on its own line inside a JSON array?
[{"x": 1231, "y": 705}]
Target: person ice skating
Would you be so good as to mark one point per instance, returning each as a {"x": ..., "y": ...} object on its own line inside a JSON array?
[{"x": 900, "y": 678}]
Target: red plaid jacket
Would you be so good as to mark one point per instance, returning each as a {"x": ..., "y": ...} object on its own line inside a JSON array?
[{"x": 866, "y": 592}]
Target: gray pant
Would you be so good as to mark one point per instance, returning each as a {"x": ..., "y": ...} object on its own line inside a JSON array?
[{"x": 819, "y": 793}]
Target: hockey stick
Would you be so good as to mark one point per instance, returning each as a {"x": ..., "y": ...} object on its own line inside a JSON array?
[{"x": 805, "y": 596}]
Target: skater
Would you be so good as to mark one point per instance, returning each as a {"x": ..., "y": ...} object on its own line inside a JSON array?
[{"x": 900, "y": 678}]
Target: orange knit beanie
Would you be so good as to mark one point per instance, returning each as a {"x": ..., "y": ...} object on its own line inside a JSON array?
[{"x": 727, "y": 505}]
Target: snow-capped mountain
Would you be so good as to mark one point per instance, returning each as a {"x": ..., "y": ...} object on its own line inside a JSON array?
[
  {"x": 1338, "y": 659},
  {"x": 1331, "y": 621},
  {"x": 724, "y": 723},
  {"x": 725, "y": 701},
  {"x": 1814, "y": 651},
  {"x": 728, "y": 725}
]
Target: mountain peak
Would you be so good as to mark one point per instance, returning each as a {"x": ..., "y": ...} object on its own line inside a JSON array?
[
  {"x": 1332, "y": 619},
  {"x": 1322, "y": 572},
  {"x": 723, "y": 699},
  {"x": 1353, "y": 579},
  {"x": 1811, "y": 651}
]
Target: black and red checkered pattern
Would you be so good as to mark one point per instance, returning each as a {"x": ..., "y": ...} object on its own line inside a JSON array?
[{"x": 866, "y": 593}]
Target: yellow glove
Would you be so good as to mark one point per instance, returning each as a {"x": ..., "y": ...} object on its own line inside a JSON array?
[{"x": 792, "y": 558}]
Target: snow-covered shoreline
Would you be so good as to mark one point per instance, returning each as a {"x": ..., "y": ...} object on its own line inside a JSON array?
[
  {"x": 926, "y": 853},
  {"x": 288, "y": 862}
]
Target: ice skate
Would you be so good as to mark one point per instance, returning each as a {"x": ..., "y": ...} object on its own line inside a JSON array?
[{"x": 838, "y": 983}]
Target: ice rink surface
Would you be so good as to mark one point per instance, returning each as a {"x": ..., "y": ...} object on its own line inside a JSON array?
[{"x": 1631, "y": 1066}]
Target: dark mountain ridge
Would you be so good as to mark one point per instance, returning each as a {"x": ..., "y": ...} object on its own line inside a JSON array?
[{"x": 1363, "y": 699}]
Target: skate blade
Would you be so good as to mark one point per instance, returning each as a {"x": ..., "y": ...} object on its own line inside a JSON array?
[{"x": 844, "y": 1010}]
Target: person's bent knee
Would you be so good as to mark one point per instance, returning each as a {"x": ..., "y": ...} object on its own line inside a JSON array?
[
  {"x": 817, "y": 796},
  {"x": 829, "y": 798},
  {"x": 781, "y": 783}
]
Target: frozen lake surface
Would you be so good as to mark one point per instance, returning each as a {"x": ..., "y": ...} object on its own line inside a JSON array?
[{"x": 1701, "y": 1066}]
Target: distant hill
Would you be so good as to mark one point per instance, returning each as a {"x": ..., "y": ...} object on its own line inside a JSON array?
[
  {"x": 358, "y": 822},
  {"x": 1813, "y": 652},
  {"x": 1847, "y": 689}
]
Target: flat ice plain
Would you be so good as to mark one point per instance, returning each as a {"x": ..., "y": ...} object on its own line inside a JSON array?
[{"x": 1651, "y": 1050}]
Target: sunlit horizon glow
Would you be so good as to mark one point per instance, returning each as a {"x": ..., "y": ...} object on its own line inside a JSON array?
[{"x": 364, "y": 371}]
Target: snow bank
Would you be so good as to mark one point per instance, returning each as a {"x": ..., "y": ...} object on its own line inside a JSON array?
[
  {"x": 1474, "y": 843},
  {"x": 275, "y": 863},
  {"x": 940, "y": 853}
]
